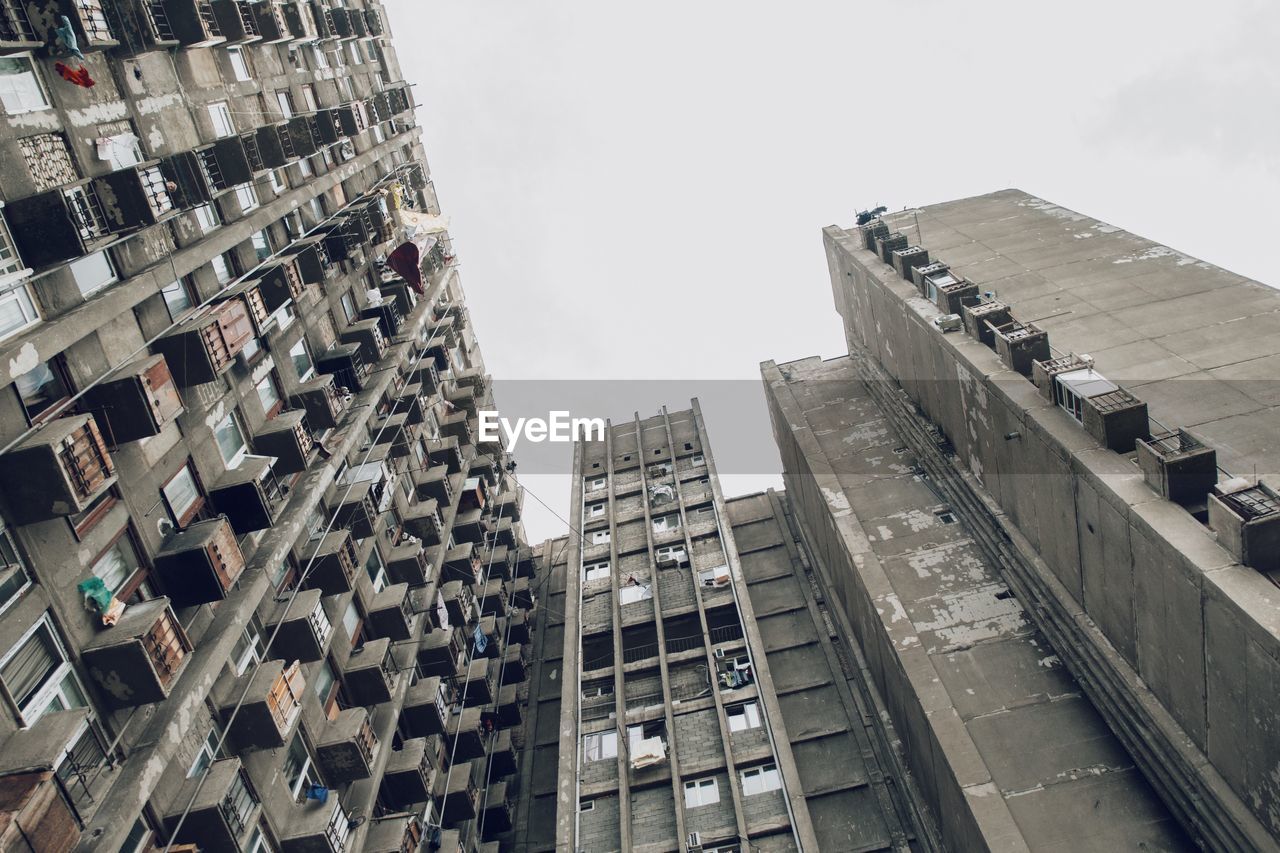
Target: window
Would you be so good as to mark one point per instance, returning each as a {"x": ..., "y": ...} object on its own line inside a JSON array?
[
  {"x": 208, "y": 753},
  {"x": 261, "y": 244},
  {"x": 353, "y": 53},
  {"x": 207, "y": 217},
  {"x": 139, "y": 838},
  {"x": 701, "y": 792},
  {"x": 223, "y": 269},
  {"x": 595, "y": 571},
  {"x": 586, "y": 805},
  {"x": 258, "y": 842},
  {"x": 182, "y": 496},
  {"x": 285, "y": 99},
  {"x": 304, "y": 166},
  {"x": 666, "y": 522},
  {"x": 117, "y": 566},
  {"x": 326, "y": 684},
  {"x": 230, "y": 440},
  {"x": 759, "y": 780},
  {"x": 247, "y": 195},
  {"x": 302, "y": 364},
  {"x": 249, "y": 649},
  {"x": 349, "y": 307},
  {"x": 92, "y": 272},
  {"x": 376, "y": 568},
  {"x": 269, "y": 396},
  {"x": 20, "y": 88},
  {"x": 220, "y": 115},
  {"x": 177, "y": 298},
  {"x": 42, "y": 388},
  {"x": 17, "y": 311},
  {"x": 946, "y": 516},
  {"x": 599, "y": 537},
  {"x": 600, "y": 746},
  {"x": 743, "y": 717},
  {"x": 595, "y": 510},
  {"x": 309, "y": 96},
  {"x": 352, "y": 622},
  {"x": 279, "y": 181},
  {"x": 13, "y": 571},
  {"x": 39, "y": 676},
  {"x": 239, "y": 64},
  {"x": 299, "y": 767},
  {"x": 698, "y": 459},
  {"x": 597, "y": 483},
  {"x": 634, "y": 592}
]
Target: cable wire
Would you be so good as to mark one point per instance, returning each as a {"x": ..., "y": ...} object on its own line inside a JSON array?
[{"x": 298, "y": 586}]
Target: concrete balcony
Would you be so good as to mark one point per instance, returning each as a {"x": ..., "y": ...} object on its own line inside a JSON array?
[
  {"x": 136, "y": 661},
  {"x": 200, "y": 564},
  {"x": 345, "y": 747},
  {"x": 302, "y": 628}
]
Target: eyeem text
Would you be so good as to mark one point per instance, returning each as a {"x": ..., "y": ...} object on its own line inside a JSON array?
[{"x": 557, "y": 427}]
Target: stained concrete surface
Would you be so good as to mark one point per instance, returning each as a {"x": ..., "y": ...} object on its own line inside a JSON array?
[{"x": 1025, "y": 732}]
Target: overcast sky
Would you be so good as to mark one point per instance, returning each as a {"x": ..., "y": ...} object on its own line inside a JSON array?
[{"x": 637, "y": 190}]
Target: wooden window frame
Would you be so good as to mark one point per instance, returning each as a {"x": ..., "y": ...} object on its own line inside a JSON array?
[
  {"x": 130, "y": 584},
  {"x": 102, "y": 505}
]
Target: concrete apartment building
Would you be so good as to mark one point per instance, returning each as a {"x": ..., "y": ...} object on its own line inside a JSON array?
[
  {"x": 262, "y": 587},
  {"x": 700, "y": 697},
  {"x": 1043, "y": 485},
  {"x": 1019, "y": 594}
]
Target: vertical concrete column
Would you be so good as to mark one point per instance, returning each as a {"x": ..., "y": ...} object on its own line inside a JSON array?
[
  {"x": 801, "y": 823},
  {"x": 677, "y": 787}
]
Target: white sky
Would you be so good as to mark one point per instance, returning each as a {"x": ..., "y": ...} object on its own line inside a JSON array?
[{"x": 637, "y": 190}]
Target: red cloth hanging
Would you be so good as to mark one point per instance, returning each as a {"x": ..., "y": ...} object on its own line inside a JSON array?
[
  {"x": 405, "y": 261},
  {"x": 79, "y": 76}
]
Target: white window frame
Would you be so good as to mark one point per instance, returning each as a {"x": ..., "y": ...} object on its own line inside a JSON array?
[
  {"x": 701, "y": 792},
  {"x": 54, "y": 683},
  {"x": 596, "y": 571},
  {"x": 240, "y": 454},
  {"x": 253, "y": 652},
  {"x": 17, "y": 93},
  {"x": 247, "y": 196},
  {"x": 20, "y": 294},
  {"x": 220, "y": 118},
  {"x": 207, "y": 753},
  {"x": 665, "y": 523},
  {"x": 112, "y": 275},
  {"x": 594, "y": 484},
  {"x": 12, "y": 566},
  {"x": 634, "y": 593},
  {"x": 596, "y": 510},
  {"x": 747, "y": 712},
  {"x": 293, "y": 357},
  {"x": 760, "y": 780},
  {"x": 599, "y": 746},
  {"x": 207, "y": 217},
  {"x": 698, "y": 459},
  {"x": 600, "y": 537},
  {"x": 239, "y": 64},
  {"x": 307, "y": 770}
]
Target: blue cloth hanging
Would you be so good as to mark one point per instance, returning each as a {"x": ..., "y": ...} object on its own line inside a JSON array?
[
  {"x": 65, "y": 38},
  {"x": 481, "y": 641}
]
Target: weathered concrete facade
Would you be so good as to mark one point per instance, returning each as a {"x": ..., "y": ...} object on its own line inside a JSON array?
[
  {"x": 1157, "y": 609},
  {"x": 701, "y": 697},
  {"x": 263, "y": 589}
]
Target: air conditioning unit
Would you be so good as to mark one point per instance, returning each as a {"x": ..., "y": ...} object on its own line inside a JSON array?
[
  {"x": 693, "y": 842},
  {"x": 949, "y": 322}
]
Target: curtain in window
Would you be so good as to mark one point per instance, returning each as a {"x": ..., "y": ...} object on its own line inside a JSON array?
[{"x": 27, "y": 671}]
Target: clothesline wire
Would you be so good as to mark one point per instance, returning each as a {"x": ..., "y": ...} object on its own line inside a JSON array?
[
  {"x": 62, "y": 407},
  {"x": 298, "y": 586}
]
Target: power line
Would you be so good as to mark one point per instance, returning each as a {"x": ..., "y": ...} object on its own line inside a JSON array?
[{"x": 173, "y": 833}]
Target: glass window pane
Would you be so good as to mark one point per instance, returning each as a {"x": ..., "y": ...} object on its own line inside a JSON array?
[
  {"x": 177, "y": 299},
  {"x": 92, "y": 272},
  {"x": 230, "y": 440},
  {"x": 117, "y": 565},
  {"x": 268, "y": 394},
  {"x": 181, "y": 493},
  {"x": 41, "y": 388}
]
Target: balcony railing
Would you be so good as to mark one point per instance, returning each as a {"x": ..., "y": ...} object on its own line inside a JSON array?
[
  {"x": 238, "y": 804},
  {"x": 338, "y": 830}
]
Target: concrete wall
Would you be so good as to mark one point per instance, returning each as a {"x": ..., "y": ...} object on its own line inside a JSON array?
[{"x": 1199, "y": 630}]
